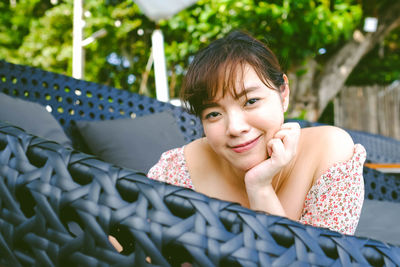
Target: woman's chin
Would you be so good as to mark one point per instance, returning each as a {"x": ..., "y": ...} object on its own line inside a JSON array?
[{"x": 246, "y": 166}]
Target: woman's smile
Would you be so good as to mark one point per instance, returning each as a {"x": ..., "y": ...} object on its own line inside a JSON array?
[{"x": 246, "y": 146}]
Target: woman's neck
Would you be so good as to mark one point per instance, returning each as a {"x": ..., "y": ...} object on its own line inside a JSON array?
[{"x": 231, "y": 174}]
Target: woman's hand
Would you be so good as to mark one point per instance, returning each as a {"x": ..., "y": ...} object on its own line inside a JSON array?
[{"x": 281, "y": 150}]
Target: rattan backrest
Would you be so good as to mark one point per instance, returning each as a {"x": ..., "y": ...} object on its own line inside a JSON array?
[
  {"x": 380, "y": 149},
  {"x": 72, "y": 100}
]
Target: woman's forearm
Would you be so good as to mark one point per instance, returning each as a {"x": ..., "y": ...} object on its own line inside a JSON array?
[{"x": 265, "y": 199}]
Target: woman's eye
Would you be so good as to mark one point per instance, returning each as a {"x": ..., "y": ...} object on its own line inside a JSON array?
[
  {"x": 251, "y": 101},
  {"x": 212, "y": 115}
]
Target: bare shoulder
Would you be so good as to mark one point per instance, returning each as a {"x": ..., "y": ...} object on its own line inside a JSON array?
[
  {"x": 202, "y": 165},
  {"x": 330, "y": 145},
  {"x": 331, "y": 138},
  {"x": 195, "y": 147},
  {"x": 197, "y": 153}
]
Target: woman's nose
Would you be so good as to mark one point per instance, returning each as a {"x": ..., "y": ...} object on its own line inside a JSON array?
[{"x": 237, "y": 124}]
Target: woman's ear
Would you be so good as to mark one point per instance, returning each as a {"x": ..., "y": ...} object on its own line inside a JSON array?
[{"x": 285, "y": 93}]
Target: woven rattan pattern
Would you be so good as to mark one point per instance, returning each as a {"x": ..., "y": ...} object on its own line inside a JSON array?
[
  {"x": 381, "y": 186},
  {"x": 380, "y": 148},
  {"x": 57, "y": 207}
]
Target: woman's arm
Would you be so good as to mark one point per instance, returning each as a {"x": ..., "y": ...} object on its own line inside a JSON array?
[
  {"x": 338, "y": 193},
  {"x": 281, "y": 150}
]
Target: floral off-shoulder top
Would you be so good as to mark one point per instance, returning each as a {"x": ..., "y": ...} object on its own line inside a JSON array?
[{"x": 334, "y": 201}]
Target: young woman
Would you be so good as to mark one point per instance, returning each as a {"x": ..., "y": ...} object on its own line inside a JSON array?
[{"x": 249, "y": 155}]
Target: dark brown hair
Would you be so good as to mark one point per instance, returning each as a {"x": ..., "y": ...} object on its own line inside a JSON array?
[{"x": 218, "y": 65}]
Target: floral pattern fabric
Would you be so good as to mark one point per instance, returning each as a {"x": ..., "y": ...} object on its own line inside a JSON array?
[{"x": 334, "y": 201}]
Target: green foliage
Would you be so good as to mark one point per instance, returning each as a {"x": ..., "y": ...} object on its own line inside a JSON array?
[
  {"x": 48, "y": 44},
  {"x": 15, "y": 22},
  {"x": 39, "y": 33},
  {"x": 295, "y": 30},
  {"x": 128, "y": 40}
]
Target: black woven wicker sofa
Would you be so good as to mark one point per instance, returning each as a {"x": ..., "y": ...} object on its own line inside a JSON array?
[{"x": 58, "y": 205}]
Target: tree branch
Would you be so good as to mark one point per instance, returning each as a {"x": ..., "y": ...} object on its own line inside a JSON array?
[{"x": 338, "y": 68}]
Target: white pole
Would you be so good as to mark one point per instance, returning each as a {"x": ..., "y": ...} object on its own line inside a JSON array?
[
  {"x": 160, "y": 71},
  {"x": 77, "y": 54}
]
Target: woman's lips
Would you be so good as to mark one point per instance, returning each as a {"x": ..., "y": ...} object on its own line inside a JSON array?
[{"x": 245, "y": 146}]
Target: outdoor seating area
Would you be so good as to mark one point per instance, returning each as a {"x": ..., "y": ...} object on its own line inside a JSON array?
[{"x": 62, "y": 197}]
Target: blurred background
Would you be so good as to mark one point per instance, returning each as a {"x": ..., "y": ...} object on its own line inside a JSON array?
[{"x": 342, "y": 56}]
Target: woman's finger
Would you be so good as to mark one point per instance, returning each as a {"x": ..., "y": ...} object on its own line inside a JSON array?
[
  {"x": 289, "y": 137},
  {"x": 276, "y": 148}
]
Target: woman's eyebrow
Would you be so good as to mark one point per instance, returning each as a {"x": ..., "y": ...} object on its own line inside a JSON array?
[
  {"x": 247, "y": 90},
  {"x": 210, "y": 105}
]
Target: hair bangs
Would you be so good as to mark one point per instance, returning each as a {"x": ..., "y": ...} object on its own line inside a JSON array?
[{"x": 232, "y": 71}]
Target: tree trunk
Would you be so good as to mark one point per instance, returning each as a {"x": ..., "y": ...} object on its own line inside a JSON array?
[
  {"x": 303, "y": 96},
  {"x": 310, "y": 97}
]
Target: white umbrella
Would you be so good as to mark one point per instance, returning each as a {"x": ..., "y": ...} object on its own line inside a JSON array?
[{"x": 157, "y": 10}]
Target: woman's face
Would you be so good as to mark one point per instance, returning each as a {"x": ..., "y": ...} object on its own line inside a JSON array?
[{"x": 238, "y": 129}]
